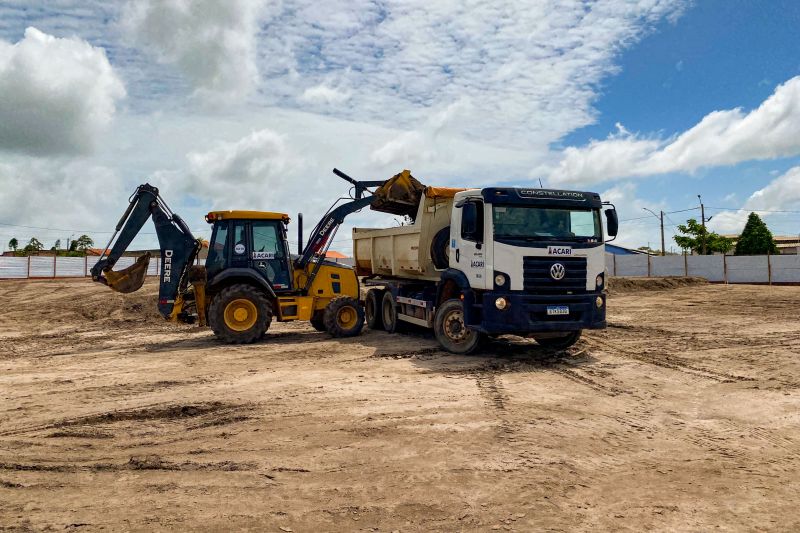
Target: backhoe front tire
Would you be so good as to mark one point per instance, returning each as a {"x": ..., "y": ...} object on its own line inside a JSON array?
[
  {"x": 240, "y": 314},
  {"x": 318, "y": 321},
  {"x": 344, "y": 317}
]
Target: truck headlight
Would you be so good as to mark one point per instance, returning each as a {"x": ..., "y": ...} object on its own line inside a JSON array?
[
  {"x": 599, "y": 280},
  {"x": 500, "y": 280},
  {"x": 501, "y": 303},
  {"x": 599, "y": 302}
]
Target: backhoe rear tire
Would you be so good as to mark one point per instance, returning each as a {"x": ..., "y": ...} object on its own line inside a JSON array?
[
  {"x": 344, "y": 317},
  {"x": 240, "y": 314}
]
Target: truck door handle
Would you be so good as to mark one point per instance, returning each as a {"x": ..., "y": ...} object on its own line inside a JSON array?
[{"x": 458, "y": 254}]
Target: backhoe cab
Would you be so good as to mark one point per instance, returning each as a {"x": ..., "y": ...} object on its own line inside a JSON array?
[{"x": 249, "y": 278}]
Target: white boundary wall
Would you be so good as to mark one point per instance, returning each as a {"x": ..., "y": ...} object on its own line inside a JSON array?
[
  {"x": 42, "y": 266},
  {"x": 728, "y": 269}
]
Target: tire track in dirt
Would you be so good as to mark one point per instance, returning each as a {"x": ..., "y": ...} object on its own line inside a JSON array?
[
  {"x": 671, "y": 362},
  {"x": 159, "y": 411}
]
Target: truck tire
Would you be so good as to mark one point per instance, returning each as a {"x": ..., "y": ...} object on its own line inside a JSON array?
[
  {"x": 372, "y": 309},
  {"x": 344, "y": 317},
  {"x": 318, "y": 321},
  {"x": 240, "y": 314},
  {"x": 450, "y": 330},
  {"x": 440, "y": 248},
  {"x": 389, "y": 312},
  {"x": 559, "y": 343}
]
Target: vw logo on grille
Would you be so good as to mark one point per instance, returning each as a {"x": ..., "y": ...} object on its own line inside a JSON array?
[{"x": 557, "y": 271}]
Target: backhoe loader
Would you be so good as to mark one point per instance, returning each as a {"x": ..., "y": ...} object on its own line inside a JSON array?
[{"x": 249, "y": 277}]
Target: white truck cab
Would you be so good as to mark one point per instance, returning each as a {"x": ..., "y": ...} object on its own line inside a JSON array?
[{"x": 521, "y": 261}]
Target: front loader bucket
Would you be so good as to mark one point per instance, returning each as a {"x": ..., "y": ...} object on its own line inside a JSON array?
[{"x": 129, "y": 279}]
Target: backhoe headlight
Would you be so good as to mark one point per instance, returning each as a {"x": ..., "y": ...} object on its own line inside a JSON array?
[
  {"x": 501, "y": 303},
  {"x": 500, "y": 280},
  {"x": 599, "y": 280},
  {"x": 599, "y": 302}
]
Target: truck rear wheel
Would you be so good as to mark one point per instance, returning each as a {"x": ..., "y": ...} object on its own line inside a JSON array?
[
  {"x": 451, "y": 331},
  {"x": 372, "y": 309},
  {"x": 389, "y": 312},
  {"x": 440, "y": 248},
  {"x": 240, "y": 314},
  {"x": 344, "y": 317},
  {"x": 559, "y": 343}
]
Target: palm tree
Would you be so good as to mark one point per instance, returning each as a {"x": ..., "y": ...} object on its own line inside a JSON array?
[{"x": 13, "y": 243}]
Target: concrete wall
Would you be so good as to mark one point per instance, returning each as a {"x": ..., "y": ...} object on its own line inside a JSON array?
[
  {"x": 62, "y": 267},
  {"x": 730, "y": 269}
]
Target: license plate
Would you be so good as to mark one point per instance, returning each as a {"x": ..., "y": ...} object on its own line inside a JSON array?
[{"x": 555, "y": 310}]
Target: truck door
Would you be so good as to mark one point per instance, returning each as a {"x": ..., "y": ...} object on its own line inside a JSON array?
[
  {"x": 467, "y": 243},
  {"x": 270, "y": 254}
]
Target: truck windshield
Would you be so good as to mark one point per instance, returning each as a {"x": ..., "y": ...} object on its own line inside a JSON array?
[{"x": 527, "y": 223}]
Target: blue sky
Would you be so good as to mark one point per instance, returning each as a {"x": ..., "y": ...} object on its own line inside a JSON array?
[{"x": 250, "y": 103}]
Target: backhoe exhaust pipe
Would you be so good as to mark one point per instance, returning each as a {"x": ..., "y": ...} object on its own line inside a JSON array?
[
  {"x": 128, "y": 279},
  {"x": 299, "y": 233}
]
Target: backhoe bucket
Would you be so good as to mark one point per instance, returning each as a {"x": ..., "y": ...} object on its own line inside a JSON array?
[{"x": 129, "y": 279}]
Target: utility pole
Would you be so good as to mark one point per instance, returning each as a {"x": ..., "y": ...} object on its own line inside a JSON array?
[
  {"x": 703, "y": 219},
  {"x": 661, "y": 218}
]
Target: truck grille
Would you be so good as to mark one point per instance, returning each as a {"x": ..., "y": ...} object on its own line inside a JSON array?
[{"x": 538, "y": 279}]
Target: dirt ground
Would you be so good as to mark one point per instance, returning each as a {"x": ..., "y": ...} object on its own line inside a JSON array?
[{"x": 683, "y": 415}]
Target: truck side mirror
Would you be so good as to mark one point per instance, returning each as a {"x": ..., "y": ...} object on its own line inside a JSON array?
[{"x": 612, "y": 222}]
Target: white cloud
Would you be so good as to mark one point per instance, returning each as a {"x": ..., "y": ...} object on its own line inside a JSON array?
[
  {"x": 56, "y": 193},
  {"x": 324, "y": 94},
  {"x": 212, "y": 42},
  {"x": 530, "y": 70},
  {"x": 259, "y": 171},
  {"x": 781, "y": 194},
  {"x": 720, "y": 138},
  {"x": 56, "y": 95}
]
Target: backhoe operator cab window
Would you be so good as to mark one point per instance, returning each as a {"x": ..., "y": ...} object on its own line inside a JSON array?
[
  {"x": 217, "y": 248},
  {"x": 270, "y": 253}
]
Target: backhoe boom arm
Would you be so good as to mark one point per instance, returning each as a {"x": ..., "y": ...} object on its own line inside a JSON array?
[{"x": 178, "y": 246}]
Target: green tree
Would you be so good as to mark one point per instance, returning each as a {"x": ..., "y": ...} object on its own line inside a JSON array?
[
  {"x": 57, "y": 244},
  {"x": 13, "y": 243},
  {"x": 694, "y": 235},
  {"x": 34, "y": 245},
  {"x": 81, "y": 244},
  {"x": 756, "y": 239}
]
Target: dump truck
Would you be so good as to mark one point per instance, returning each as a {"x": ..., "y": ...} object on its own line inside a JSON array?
[
  {"x": 473, "y": 263},
  {"x": 249, "y": 277}
]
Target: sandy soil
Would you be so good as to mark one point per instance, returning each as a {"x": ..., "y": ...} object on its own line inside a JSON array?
[{"x": 683, "y": 415}]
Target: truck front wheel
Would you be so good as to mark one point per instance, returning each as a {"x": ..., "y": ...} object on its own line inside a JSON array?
[
  {"x": 240, "y": 314},
  {"x": 451, "y": 331},
  {"x": 559, "y": 343}
]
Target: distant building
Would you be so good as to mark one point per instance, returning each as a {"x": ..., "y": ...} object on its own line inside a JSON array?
[
  {"x": 787, "y": 245},
  {"x": 621, "y": 250},
  {"x": 338, "y": 257}
]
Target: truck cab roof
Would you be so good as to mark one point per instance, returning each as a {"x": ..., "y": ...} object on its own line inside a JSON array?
[{"x": 535, "y": 197}]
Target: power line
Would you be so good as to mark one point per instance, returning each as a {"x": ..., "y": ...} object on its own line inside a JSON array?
[{"x": 754, "y": 210}]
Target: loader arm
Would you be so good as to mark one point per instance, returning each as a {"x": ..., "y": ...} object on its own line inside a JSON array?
[
  {"x": 178, "y": 246},
  {"x": 322, "y": 235}
]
